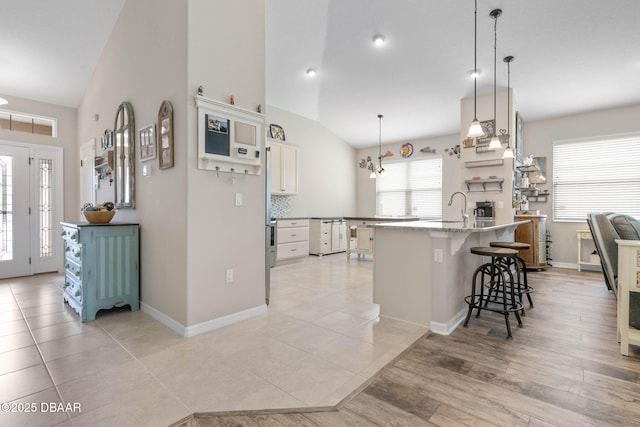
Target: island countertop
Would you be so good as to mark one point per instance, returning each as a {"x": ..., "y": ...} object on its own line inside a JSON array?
[{"x": 452, "y": 226}]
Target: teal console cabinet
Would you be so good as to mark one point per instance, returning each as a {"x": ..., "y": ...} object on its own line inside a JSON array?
[{"x": 102, "y": 267}]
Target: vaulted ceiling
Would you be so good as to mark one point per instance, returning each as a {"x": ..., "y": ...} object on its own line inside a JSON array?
[{"x": 570, "y": 56}]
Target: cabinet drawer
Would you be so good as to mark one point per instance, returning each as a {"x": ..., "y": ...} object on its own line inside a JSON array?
[
  {"x": 292, "y": 250},
  {"x": 73, "y": 286},
  {"x": 287, "y": 223},
  {"x": 294, "y": 234}
]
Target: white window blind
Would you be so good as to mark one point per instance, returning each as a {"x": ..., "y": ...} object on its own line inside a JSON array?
[
  {"x": 411, "y": 188},
  {"x": 596, "y": 175}
]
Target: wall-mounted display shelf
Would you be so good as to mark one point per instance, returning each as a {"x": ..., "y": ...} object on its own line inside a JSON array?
[
  {"x": 230, "y": 139},
  {"x": 482, "y": 163},
  {"x": 104, "y": 162},
  {"x": 529, "y": 168},
  {"x": 488, "y": 184}
]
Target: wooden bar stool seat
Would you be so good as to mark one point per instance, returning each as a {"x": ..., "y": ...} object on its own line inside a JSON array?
[
  {"x": 493, "y": 287},
  {"x": 518, "y": 246}
]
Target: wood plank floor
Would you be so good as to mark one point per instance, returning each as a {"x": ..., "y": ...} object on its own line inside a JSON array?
[{"x": 562, "y": 368}]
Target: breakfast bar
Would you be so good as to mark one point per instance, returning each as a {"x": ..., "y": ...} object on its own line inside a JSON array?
[{"x": 423, "y": 269}]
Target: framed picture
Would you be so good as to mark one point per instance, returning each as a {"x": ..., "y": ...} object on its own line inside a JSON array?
[
  {"x": 106, "y": 141},
  {"x": 482, "y": 144},
  {"x": 147, "y": 142},
  {"x": 276, "y": 132},
  {"x": 519, "y": 142},
  {"x": 165, "y": 121}
]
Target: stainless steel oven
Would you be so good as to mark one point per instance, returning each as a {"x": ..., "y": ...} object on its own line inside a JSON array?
[{"x": 270, "y": 256}]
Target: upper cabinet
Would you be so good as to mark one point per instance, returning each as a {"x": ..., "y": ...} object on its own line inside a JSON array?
[{"x": 283, "y": 168}]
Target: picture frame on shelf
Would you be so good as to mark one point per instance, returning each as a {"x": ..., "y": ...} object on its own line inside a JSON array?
[
  {"x": 482, "y": 144},
  {"x": 106, "y": 141},
  {"x": 165, "y": 122},
  {"x": 276, "y": 132},
  {"x": 147, "y": 142}
]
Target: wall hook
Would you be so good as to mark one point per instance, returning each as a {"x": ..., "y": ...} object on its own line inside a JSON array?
[
  {"x": 218, "y": 171},
  {"x": 233, "y": 176}
]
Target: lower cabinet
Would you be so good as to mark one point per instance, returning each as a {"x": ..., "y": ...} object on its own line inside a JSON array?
[
  {"x": 327, "y": 236},
  {"x": 534, "y": 233},
  {"x": 360, "y": 237},
  {"x": 102, "y": 268},
  {"x": 292, "y": 238}
]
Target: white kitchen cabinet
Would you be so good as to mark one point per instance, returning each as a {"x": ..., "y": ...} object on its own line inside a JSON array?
[
  {"x": 292, "y": 239},
  {"x": 283, "y": 167},
  {"x": 327, "y": 236}
]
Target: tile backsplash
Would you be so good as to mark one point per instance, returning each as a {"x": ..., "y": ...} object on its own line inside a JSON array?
[{"x": 280, "y": 206}]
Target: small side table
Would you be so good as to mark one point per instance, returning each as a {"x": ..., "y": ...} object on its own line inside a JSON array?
[{"x": 583, "y": 235}]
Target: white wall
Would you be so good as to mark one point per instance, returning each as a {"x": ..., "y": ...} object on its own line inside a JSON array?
[
  {"x": 226, "y": 51},
  {"x": 66, "y": 138},
  {"x": 326, "y": 167},
  {"x": 451, "y": 182},
  {"x": 191, "y": 232},
  {"x": 538, "y": 138},
  {"x": 144, "y": 63}
]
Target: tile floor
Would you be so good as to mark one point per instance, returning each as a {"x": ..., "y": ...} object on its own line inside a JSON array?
[{"x": 320, "y": 341}]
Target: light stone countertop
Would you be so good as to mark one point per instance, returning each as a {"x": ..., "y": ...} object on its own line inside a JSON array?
[{"x": 452, "y": 226}]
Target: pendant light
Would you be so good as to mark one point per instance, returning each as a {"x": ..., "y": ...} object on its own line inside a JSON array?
[
  {"x": 508, "y": 153},
  {"x": 380, "y": 170},
  {"x": 495, "y": 141},
  {"x": 475, "y": 130}
]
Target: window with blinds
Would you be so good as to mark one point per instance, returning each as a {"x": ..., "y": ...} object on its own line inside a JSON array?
[
  {"x": 411, "y": 188},
  {"x": 596, "y": 175}
]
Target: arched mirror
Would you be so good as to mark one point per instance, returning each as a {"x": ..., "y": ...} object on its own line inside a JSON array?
[{"x": 124, "y": 145}]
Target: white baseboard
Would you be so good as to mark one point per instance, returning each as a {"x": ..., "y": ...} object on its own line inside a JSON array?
[
  {"x": 189, "y": 331},
  {"x": 574, "y": 266},
  {"x": 446, "y": 328},
  {"x": 167, "y": 321},
  {"x": 404, "y": 321},
  {"x": 229, "y": 319},
  {"x": 571, "y": 265}
]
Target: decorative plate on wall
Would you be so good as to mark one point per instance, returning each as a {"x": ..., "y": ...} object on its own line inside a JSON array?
[{"x": 406, "y": 150}]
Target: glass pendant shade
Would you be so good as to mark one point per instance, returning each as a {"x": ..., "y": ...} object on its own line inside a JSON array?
[
  {"x": 508, "y": 153},
  {"x": 372, "y": 175},
  {"x": 494, "y": 143},
  {"x": 475, "y": 130}
]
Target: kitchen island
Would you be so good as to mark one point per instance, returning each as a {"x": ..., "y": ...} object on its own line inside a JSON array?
[{"x": 423, "y": 269}]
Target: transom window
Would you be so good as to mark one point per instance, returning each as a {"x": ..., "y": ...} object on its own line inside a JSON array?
[
  {"x": 29, "y": 123},
  {"x": 599, "y": 174},
  {"x": 411, "y": 188}
]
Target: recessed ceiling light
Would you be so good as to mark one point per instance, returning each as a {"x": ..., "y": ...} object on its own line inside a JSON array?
[
  {"x": 474, "y": 74},
  {"x": 378, "y": 40},
  {"x": 3, "y": 101},
  {"x": 311, "y": 72}
]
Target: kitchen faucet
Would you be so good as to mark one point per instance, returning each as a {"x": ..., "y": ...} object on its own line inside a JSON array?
[{"x": 465, "y": 216}]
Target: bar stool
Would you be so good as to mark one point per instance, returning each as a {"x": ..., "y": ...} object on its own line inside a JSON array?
[
  {"x": 493, "y": 286},
  {"x": 520, "y": 267}
]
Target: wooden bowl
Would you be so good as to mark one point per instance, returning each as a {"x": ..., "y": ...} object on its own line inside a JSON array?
[{"x": 99, "y": 217}]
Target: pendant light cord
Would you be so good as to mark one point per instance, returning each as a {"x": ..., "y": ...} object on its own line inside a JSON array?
[
  {"x": 509, "y": 99},
  {"x": 475, "y": 61},
  {"x": 495, "y": 66},
  {"x": 380, "y": 142}
]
